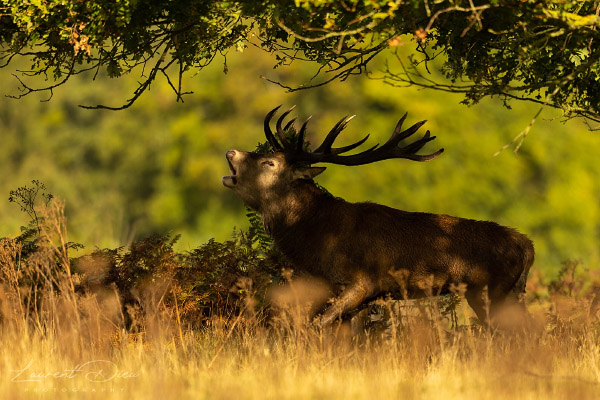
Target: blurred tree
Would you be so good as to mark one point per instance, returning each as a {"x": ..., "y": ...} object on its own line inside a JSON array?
[
  {"x": 535, "y": 50},
  {"x": 156, "y": 167}
]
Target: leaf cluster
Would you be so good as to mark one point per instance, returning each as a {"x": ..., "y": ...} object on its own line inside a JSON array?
[
  {"x": 572, "y": 296},
  {"x": 532, "y": 50},
  {"x": 210, "y": 280},
  {"x": 29, "y": 199}
]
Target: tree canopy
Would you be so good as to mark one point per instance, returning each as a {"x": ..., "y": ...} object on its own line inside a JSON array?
[{"x": 535, "y": 50}]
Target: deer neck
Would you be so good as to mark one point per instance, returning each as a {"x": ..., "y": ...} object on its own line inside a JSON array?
[{"x": 300, "y": 204}]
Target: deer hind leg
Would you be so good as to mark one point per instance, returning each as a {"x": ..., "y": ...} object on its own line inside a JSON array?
[
  {"x": 476, "y": 299},
  {"x": 508, "y": 310},
  {"x": 352, "y": 297},
  {"x": 495, "y": 307},
  {"x": 486, "y": 302}
]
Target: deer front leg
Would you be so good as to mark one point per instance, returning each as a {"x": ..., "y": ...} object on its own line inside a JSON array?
[{"x": 350, "y": 298}]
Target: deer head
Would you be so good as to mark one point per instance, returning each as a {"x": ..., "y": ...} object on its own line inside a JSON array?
[{"x": 260, "y": 179}]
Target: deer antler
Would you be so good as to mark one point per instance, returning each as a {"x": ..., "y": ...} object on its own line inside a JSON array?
[{"x": 326, "y": 154}]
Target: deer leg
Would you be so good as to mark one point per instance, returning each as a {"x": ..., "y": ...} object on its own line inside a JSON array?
[
  {"x": 352, "y": 297},
  {"x": 508, "y": 309},
  {"x": 490, "y": 304},
  {"x": 476, "y": 300}
]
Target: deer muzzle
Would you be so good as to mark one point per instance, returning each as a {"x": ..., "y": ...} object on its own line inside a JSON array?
[{"x": 230, "y": 180}]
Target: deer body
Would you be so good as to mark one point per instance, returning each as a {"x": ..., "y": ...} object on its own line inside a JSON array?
[{"x": 365, "y": 250}]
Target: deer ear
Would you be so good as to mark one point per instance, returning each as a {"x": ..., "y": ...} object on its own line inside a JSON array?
[{"x": 308, "y": 172}]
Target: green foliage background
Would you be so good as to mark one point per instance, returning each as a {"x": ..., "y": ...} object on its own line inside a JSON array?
[{"x": 157, "y": 166}]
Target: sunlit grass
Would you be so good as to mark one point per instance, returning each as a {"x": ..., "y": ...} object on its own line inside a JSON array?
[
  {"x": 74, "y": 344},
  {"x": 258, "y": 366}
]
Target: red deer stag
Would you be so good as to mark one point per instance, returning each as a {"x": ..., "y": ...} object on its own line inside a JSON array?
[{"x": 365, "y": 250}]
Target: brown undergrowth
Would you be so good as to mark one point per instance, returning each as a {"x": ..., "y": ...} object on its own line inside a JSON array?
[{"x": 148, "y": 322}]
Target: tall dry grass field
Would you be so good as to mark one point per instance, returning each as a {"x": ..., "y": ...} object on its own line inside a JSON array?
[{"x": 59, "y": 341}]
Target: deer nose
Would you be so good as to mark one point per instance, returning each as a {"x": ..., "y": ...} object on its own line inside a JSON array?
[{"x": 230, "y": 154}]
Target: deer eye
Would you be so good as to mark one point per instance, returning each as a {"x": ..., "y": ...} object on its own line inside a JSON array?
[{"x": 268, "y": 162}]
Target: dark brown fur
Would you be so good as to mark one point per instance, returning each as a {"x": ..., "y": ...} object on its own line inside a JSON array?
[{"x": 366, "y": 250}]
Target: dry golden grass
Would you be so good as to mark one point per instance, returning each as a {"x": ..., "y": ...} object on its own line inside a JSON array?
[{"x": 74, "y": 345}]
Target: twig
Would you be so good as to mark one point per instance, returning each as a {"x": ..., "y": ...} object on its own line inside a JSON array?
[
  {"x": 138, "y": 92},
  {"x": 521, "y": 136},
  {"x": 475, "y": 10},
  {"x": 330, "y": 34}
]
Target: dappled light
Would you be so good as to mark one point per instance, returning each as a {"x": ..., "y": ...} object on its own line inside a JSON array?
[{"x": 187, "y": 246}]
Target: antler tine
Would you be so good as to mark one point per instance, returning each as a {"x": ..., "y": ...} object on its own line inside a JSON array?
[
  {"x": 344, "y": 149},
  {"x": 412, "y": 148},
  {"x": 399, "y": 135},
  {"x": 398, "y": 128},
  {"x": 300, "y": 144},
  {"x": 409, "y": 150},
  {"x": 268, "y": 133},
  {"x": 287, "y": 126},
  {"x": 416, "y": 146},
  {"x": 325, "y": 147},
  {"x": 404, "y": 134},
  {"x": 427, "y": 157},
  {"x": 284, "y": 141}
]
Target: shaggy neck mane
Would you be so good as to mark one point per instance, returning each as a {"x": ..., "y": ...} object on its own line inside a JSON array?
[{"x": 300, "y": 204}]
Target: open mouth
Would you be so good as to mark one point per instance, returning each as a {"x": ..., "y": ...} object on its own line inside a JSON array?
[
  {"x": 231, "y": 169},
  {"x": 231, "y": 179}
]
